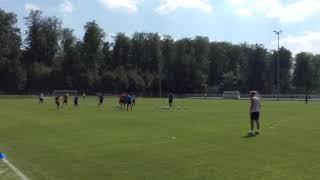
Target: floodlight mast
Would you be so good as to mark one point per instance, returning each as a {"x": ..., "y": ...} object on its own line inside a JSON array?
[{"x": 278, "y": 64}]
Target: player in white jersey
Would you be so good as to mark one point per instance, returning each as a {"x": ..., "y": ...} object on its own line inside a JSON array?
[
  {"x": 41, "y": 98},
  {"x": 254, "y": 111}
]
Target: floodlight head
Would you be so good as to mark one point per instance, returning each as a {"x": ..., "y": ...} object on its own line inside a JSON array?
[{"x": 278, "y": 32}]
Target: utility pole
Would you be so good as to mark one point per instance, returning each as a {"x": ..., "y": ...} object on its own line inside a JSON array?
[
  {"x": 160, "y": 88},
  {"x": 160, "y": 75},
  {"x": 278, "y": 64}
]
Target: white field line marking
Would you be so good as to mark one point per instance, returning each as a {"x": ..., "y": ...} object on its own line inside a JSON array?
[{"x": 16, "y": 170}]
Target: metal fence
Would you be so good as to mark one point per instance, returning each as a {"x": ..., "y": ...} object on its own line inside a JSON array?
[{"x": 282, "y": 97}]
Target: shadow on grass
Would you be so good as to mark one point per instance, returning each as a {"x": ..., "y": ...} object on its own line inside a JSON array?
[{"x": 249, "y": 136}]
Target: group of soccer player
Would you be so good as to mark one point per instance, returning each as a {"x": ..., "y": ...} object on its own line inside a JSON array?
[
  {"x": 127, "y": 101},
  {"x": 65, "y": 99}
]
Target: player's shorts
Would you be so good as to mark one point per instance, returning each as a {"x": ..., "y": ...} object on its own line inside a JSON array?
[
  {"x": 129, "y": 102},
  {"x": 255, "y": 116},
  {"x": 57, "y": 103},
  {"x": 170, "y": 101}
]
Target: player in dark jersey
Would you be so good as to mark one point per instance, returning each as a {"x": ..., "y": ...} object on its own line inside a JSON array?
[
  {"x": 122, "y": 100},
  {"x": 133, "y": 100},
  {"x": 65, "y": 99},
  {"x": 170, "y": 99},
  {"x": 57, "y": 100},
  {"x": 129, "y": 102},
  {"x": 76, "y": 101},
  {"x": 101, "y": 99}
]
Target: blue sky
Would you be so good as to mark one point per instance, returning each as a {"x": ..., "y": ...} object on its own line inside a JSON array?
[{"x": 236, "y": 21}]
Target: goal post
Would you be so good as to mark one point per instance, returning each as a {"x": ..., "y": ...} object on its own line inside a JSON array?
[{"x": 231, "y": 95}]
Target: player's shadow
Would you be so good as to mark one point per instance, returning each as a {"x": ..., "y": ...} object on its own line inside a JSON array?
[
  {"x": 249, "y": 136},
  {"x": 118, "y": 108}
]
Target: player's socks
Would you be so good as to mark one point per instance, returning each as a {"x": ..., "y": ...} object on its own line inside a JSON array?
[{"x": 250, "y": 132}]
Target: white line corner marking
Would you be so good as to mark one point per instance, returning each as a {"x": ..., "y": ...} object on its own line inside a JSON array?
[{"x": 16, "y": 170}]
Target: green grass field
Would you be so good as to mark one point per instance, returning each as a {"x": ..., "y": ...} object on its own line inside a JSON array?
[{"x": 206, "y": 141}]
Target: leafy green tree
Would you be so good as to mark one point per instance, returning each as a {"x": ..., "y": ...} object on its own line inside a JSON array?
[
  {"x": 12, "y": 75},
  {"x": 121, "y": 51},
  {"x": 167, "y": 61},
  {"x": 137, "y": 50},
  {"x": 107, "y": 56},
  {"x": 152, "y": 64},
  {"x": 182, "y": 65},
  {"x": 230, "y": 81},
  {"x": 285, "y": 62},
  {"x": 121, "y": 77},
  {"x": 257, "y": 59},
  {"x": 71, "y": 59},
  {"x": 316, "y": 73},
  {"x": 42, "y": 38},
  {"x": 91, "y": 56},
  {"x": 144, "y": 62},
  {"x": 42, "y": 45},
  {"x": 218, "y": 61},
  {"x": 303, "y": 72}
]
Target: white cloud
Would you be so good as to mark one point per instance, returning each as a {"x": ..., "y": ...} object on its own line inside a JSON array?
[
  {"x": 67, "y": 7},
  {"x": 243, "y": 12},
  {"x": 31, "y": 7},
  {"x": 308, "y": 42},
  {"x": 128, "y": 5},
  {"x": 237, "y": 2},
  {"x": 296, "y": 11},
  {"x": 168, "y": 6}
]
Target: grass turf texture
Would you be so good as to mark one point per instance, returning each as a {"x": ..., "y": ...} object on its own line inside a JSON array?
[{"x": 203, "y": 142}]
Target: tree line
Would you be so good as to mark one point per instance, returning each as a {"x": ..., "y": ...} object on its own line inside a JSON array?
[{"x": 50, "y": 57}]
